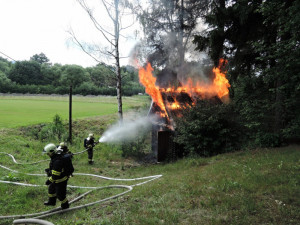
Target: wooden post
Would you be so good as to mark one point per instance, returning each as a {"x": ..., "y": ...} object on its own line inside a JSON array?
[{"x": 70, "y": 115}]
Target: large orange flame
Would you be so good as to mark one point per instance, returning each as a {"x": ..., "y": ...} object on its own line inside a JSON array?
[
  {"x": 218, "y": 87},
  {"x": 146, "y": 78}
]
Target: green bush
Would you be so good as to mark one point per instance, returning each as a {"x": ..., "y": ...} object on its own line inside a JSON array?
[
  {"x": 209, "y": 128},
  {"x": 133, "y": 89},
  {"x": 54, "y": 130},
  {"x": 62, "y": 90},
  {"x": 135, "y": 148},
  {"x": 46, "y": 89},
  {"x": 268, "y": 140},
  {"x": 86, "y": 88}
]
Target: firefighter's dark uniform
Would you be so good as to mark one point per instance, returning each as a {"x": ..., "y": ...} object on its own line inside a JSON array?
[
  {"x": 57, "y": 181},
  {"x": 89, "y": 143}
]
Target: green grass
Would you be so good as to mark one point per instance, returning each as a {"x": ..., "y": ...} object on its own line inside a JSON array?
[
  {"x": 258, "y": 186},
  {"x": 247, "y": 187},
  {"x": 16, "y": 111}
]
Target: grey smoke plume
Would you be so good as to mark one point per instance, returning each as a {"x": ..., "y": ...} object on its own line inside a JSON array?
[
  {"x": 128, "y": 130},
  {"x": 197, "y": 65}
]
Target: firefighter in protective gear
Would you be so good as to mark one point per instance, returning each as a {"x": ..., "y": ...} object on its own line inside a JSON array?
[
  {"x": 63, "y": 147},
  {"x": 89, "y": 144},
  {"x": 60, "y": 168}
]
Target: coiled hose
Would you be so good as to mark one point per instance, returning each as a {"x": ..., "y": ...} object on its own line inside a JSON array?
[{"x": 35, "y": 217}]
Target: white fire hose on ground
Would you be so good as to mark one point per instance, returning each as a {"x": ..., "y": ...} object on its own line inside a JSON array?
[
  {"x": 35, "y": 217},
  {"x": 32, "y": 221}
]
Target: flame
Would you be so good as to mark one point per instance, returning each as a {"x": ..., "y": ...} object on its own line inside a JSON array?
[
  {"x": 146, "y": 78},
  {"x": 221, "y": 83},
  {"x": 175, "y": 105},
  {"x": 218, "y": 87}
]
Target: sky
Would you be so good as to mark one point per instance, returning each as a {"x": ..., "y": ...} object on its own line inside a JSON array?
[{"x": 29, "y": 27}]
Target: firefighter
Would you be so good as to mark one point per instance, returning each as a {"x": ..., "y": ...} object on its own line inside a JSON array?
[
  {"x": 59, "y": 171},
  {"x": 89, "y": 144},
  {"x": 64, "y": 149}
]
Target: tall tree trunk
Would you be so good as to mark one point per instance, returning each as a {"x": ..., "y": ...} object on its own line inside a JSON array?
[
  {"x": 180, "y": 72},
  {"x": 118, "y": 69},
  {"x": 119, "y": 89},
  {"x": 181, "y": 50}
]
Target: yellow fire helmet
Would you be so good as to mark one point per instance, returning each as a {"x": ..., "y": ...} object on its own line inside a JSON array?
[
  {"x": 49, "y": 148},
  {"x": 63, "y": 144}
]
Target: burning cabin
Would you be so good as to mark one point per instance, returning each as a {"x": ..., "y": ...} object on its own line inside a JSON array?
[{"x": 168, "y": 101}]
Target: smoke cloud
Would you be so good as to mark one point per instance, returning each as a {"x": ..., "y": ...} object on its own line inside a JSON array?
[{"x": 128, "y": 130}]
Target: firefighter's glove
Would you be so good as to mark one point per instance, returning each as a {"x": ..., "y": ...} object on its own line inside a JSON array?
[
  {"x": 48, "y": 182},
  {"x": 90, "y": 146},
  {"x": 48, "y": 172}
]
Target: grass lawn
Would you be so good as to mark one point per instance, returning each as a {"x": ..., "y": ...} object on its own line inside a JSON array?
[
  {"x": 259, "y": 186},
  {"x": 247, "y": 187},
  {"x": 16, "y": 111}
]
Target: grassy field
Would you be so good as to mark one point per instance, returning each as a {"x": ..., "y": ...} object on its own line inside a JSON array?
[
  {"x": 247, "y": 187},
  {"x": 259, "y": 186},
  {"x": 16, "y": 111}
]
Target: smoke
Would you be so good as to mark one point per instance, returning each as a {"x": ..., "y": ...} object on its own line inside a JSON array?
[
  {"x": 128, "y": 130},
  {"x": 196, "y": 66},
  {"x": 199, "y": 72}
]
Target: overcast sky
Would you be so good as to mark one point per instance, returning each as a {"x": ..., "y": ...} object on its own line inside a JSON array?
[{"x": 29, "y": 27}]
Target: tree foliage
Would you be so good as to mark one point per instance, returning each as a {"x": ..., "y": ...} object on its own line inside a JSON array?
[
  {"x": 168, "y": 26},
  {"x": 26, "y": 72},
  {"x": 47, "y": 78},
  {"x": 261, "y": 41},
  {"x": 73, "y": 75},
  {"x": 40, "y": 58}
]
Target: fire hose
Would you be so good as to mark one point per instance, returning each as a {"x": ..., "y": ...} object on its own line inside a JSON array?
[
  {"x": 34, "y": 218},
  {"x": 15, "y": 161}
]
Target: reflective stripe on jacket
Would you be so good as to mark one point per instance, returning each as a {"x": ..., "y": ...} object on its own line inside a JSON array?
[{"x": 57, "y": 169}]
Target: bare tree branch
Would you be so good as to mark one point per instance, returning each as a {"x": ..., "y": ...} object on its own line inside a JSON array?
[
  {"x": 95, "y": 22},
  {"x": 105, "y": 3},
  {"x": 81, "y": 46},
  {"x": 115, "y": 14}
]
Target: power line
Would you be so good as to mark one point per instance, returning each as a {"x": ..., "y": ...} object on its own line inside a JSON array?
[{"x": 7, "y": 56}]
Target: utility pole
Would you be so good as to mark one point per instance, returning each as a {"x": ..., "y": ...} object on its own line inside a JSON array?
[{"x": 70, "y": 115}]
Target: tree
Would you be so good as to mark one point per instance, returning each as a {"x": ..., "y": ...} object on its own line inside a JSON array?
[
  {"x": 279, "y": 52},
  {"x": 26, "y": 72},
  {"x": 5, "y": 65},
  {"x": 51, "y": 73},
  {"x": 4, "y": 82},
  {"x": 168, "y": 26},
  {"x": 115, "y": 10},
  {"x": 73, "y": 75},
  {"x": 102, "y": 75},
  {"x": 261, "y": 41},
  {"x": 40, "y": 58}
]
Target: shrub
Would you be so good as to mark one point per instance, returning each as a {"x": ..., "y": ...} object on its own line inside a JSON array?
[
  {"x": 208, "y": 129},
  {"x": 268, "y": 140},
  {"x": 86, "y": 88},
  {"x": 135, "y": 148},
  {"x": 54, "y": 130}
]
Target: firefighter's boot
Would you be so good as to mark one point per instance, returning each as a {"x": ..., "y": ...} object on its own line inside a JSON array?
[
  {"x": 65, "y": 205},
  {"x": 51, "y": 201}
]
